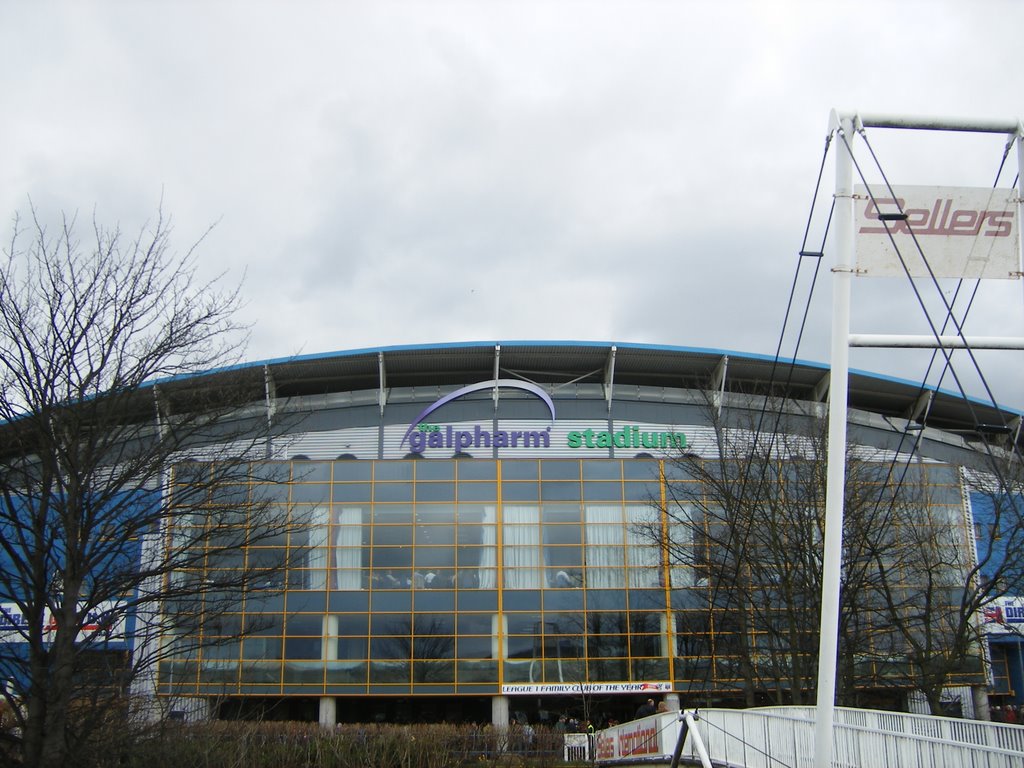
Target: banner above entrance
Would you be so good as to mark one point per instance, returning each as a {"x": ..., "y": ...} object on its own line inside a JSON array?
[
  {"x": 569, "y": 689},
  {"x": 961, "y": 231}
]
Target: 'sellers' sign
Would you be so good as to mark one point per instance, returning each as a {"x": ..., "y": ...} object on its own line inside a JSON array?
[
  {"x": 937, "y": 232},
  {"x": 423, "y": 434}
]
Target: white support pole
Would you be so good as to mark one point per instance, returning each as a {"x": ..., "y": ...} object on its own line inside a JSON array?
[
  {"x": 698, "y": 742},
  {"x": 907, "y": 341},
  {"x": 1020, "y": 178},
  {"x": 836, "y": 475},
  {"x": 919, "y": 123}
]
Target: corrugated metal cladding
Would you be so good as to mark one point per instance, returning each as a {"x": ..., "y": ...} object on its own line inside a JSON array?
[{"x": 360, "y": 442}]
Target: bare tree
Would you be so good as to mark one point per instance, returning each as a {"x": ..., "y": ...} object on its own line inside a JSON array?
[
  {"x": 935, "y": 589},
  {"x": 96, "y": 531},
  {"x": 745, "y": 530}
]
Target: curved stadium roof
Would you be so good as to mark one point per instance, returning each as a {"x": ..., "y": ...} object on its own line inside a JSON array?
[{"x": 617, "y": 364}]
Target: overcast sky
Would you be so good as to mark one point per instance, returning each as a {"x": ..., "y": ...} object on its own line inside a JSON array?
[{"x": 388, "y": 173}]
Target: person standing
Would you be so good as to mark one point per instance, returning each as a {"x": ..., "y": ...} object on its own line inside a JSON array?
[{"x": 645, "y": 709}]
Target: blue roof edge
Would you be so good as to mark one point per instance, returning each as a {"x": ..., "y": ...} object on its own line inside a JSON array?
[{"x": 573, "y": 343}]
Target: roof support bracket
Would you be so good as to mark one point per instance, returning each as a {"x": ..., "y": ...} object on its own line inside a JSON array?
[
  {"x": 920, "y": 406},
  {"x": 497, "y": 370},
  {"x": 820, "y": 392},
  {"x": 718, "y": 382},
  {"x": 161, "y": 412},
  {"x": 609, "y": 377},
  {"x": 270, "y": 393}
]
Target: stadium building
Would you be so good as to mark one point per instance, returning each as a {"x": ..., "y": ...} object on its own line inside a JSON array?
[{"x": 478, "y": 546}]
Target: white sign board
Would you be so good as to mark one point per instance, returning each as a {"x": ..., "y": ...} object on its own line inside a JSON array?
[
  {"x": 640, "y": 740},
  {"x": 104, "y": 623},
  {"x": 962, "y": 232}
]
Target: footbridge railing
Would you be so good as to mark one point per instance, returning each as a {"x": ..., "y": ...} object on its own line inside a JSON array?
[{"x": 773, "y": 737}]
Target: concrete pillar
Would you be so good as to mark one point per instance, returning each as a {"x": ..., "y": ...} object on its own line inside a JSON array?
[
  {"x": 328, "y": 711},
  {"x": 329, "y": 652},
  {"x": 672, "y": 702},
  {"x": 979, "y": 697},
  {"x": 499, "y": 711}
]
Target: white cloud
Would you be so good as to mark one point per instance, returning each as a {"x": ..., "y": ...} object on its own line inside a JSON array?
[{"x": 388, "y": 173}]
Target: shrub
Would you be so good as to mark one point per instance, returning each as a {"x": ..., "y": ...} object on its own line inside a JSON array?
[{"x": 299, "y": 745}]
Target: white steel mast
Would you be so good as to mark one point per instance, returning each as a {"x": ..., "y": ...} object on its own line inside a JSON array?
[{"x": 847, "y": 125}]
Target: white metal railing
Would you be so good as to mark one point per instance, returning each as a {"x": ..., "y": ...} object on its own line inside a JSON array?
[
  {"x": 777, "y": 737},
  {"x": 576, "y": 748},
  {"x": 770, "y": 737}
]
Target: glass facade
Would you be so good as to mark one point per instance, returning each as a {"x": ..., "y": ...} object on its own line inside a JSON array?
[{"x": 463, "y": 576}]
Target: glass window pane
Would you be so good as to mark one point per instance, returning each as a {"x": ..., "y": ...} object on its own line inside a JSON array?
[
  {"x": 434, "y": 624},
  {"x": 265, "y": 492},
  {"x": 561, "y": 513},
  {"x": 477, "y": 470},
  {"x": 391, "y": 492},
  {"x": 642, "y": 470},
  {"x": 359, "y": 492},
  {"x": 300, "y": 624},
  {"x": 602, "y": 491},
  {"x": 352, "y": 647},
  {"x": 434, "y": 557},
  {"x": 475, "y": 647},
  {"x": 563, "y": 599},
  {"x": 262, "y": 648},
  {"x": 395, "y": 562},
  {"x": 350, "y": 624},
  {"x": 642, "y": 491},
  {"x": 436, "y": 514},
  {"x": 478, "y": 492},
  {"x": 302, "y": 648},
  {"x": 560, "y": 491},
  {"x": 307, "y": 602},
  {"x": 472, "y": 557},
  {"x": 476, "y": 513},
  {"x": 391, "y": 648},
  {"x": 522, "y": 600},
  {"x": 435, "y": 470},
  {"x": 562, "y": 534},
  {"x": 516, "y": 491},
  {"x": 433, "y": 647},
  {"x": 560, "y": 470},
  {"x": 606, "y": 599},
  {"x": 435, "y": 492},
  {"x": 352, "y": 470},
  {"x": 602, "y": 470},
  {"x": 475, "y": 623},
  {"x": 478, "y": 600},
  {"x": 427, "y": 535},
  {"x": 272, "y": 471},
  {"x": 311, "y": 472},
  {"x": 679, "y": 475},
  {"x": 393, "y": 514},
  {"x": 519, "y": 470},
  {"x": 431, "y": 599},
  {"x": 392, "y": 535},
  {"x": 392, "y": 471},
  {"x": 388, "y": 624},
  {"x": 392, "y": 600},
  {"x": 310, "y": 493}
]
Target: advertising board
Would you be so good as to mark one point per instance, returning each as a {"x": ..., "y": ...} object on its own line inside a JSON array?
[{"x": 937, "y": 232}]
